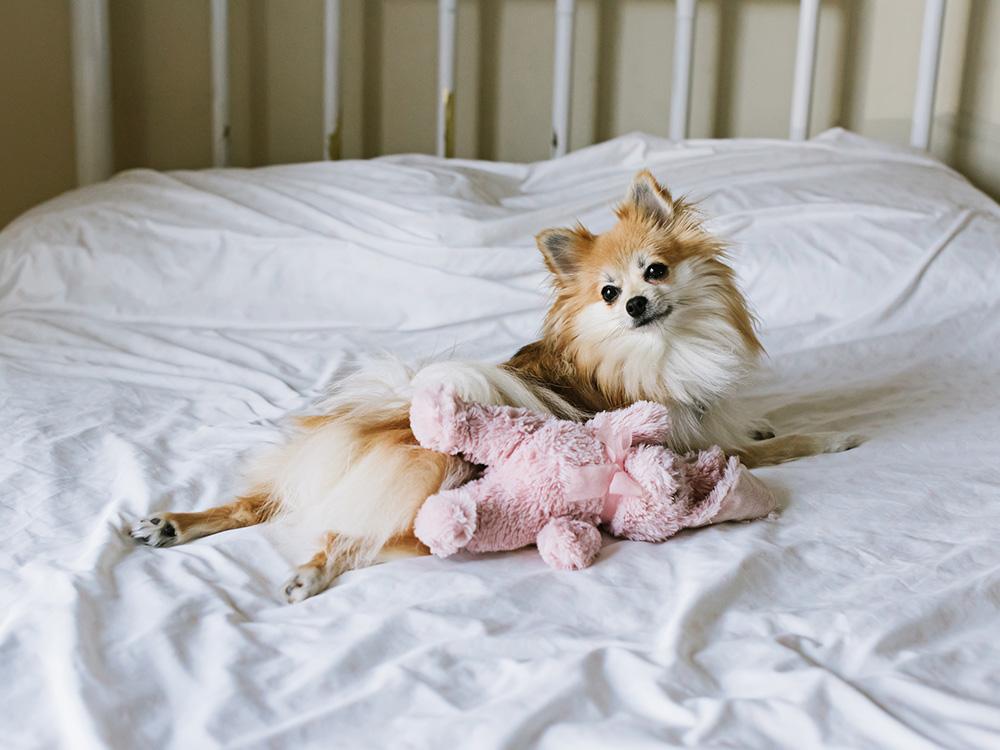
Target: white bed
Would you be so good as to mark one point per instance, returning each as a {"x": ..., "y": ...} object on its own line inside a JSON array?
[{"x": 156, "y": 327}]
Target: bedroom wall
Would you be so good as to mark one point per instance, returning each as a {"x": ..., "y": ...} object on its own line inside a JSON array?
[
  {"x": 36, "y": 112},
  {"x": 744, "y": 53}
]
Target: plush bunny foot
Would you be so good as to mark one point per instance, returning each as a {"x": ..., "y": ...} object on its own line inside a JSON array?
[
  {"x": 446, "y": 522},
  {"x": 567, "y": 544}
]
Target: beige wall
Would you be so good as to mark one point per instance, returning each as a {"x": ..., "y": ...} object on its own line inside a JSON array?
[
  {"x": 744, "y": 53},
  {"x": 36, "y": 112}
]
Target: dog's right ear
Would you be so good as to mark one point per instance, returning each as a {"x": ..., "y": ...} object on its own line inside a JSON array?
[
  {"x": 562, "y": 249},
  {"x": 648, "y": 198}
]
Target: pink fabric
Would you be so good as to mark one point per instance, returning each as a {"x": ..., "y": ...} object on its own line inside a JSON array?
[
  {"x": 749, "y": 498},
  {"x": 609, "y": 480},
  {"x": 552, "y": 482},
  {"x": 568, "y": 544}
]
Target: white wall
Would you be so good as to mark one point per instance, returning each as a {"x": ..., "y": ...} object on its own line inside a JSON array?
[{"x": 742, "y": 82}]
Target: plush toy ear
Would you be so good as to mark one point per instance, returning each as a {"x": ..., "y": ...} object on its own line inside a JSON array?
[
  {"x": 562, "y": 248},
  {"x": 434, "y": 418},
  {"x": 649, "y": 198}
]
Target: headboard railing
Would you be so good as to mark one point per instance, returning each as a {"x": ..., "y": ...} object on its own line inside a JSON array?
[
  {"x": 927, "y": 74},
  {"x": 805, "y": 70},
  {"x": 680, "y": 90},
  {"x": 331, "y": 79},
  {"x": 92, "y": 78},
  {"x": 220, "y": 82},
  {"x": 91, "y": 56},
  {"x": 447, "y": 41}
]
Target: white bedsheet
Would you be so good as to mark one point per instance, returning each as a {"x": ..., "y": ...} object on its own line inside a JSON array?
[{"x": 155, "y": 327}]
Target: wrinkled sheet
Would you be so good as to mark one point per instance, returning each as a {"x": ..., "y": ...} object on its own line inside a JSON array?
[{"x": 157, "y": 327}]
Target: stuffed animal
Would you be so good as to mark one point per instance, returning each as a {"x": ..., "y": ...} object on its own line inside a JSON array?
[{"x": 553, "y": 482}]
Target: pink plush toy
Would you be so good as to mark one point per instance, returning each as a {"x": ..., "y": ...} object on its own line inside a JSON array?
[{"x": 552, "y": 482}]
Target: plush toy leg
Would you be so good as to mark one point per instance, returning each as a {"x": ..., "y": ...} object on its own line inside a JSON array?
[
  {"x": 704, "y": 472},
  {"x": 446, "y": 521},
  {"x": 659, "y": 471},
  {"x": 568, "y": 544},
  {"x": 659, "y": 512}
]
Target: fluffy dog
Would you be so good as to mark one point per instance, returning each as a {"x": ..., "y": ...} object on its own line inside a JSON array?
[{"x": 649, "y": 311}]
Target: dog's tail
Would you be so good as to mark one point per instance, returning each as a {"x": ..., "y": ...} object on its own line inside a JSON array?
[{"x": 355, "y": 469}]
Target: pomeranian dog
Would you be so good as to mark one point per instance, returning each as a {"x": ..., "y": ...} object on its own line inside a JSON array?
[{"x": 646, "y": 311}]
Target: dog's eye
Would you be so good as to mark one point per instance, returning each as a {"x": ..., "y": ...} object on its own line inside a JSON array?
[
  {"x": 610, "y": 293},
  {"x": 655, "y": 271}
]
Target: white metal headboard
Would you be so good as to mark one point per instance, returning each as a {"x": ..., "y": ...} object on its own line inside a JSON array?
[{"x": 92, "y": 78}]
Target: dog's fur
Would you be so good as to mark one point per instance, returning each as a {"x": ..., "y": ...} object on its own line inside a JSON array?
[{"x": 356, "y": 474}]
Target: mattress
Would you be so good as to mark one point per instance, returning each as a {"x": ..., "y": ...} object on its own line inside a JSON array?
[{"x": 157, "y": 327}]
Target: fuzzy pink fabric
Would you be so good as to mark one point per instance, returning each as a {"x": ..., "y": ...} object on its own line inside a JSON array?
[{"x": 552, "y": 482}]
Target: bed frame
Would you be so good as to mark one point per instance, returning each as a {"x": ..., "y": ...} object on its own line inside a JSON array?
[{"x": 92, "y": 78}]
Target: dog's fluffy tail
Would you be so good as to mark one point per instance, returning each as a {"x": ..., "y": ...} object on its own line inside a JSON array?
[{"x": 355, "y": 470}]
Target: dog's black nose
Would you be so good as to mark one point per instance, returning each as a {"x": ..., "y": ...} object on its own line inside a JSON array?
[{"x": 636, "y": 307}]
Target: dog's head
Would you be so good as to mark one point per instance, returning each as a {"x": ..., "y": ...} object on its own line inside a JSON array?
[{"x": 649, "y": 309}]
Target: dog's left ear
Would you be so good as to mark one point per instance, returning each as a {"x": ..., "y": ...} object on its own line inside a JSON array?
[
  {"x": 649, "y": 198},
  {"x": 562, "y": 249}
]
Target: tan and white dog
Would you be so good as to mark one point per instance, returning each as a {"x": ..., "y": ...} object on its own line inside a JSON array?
[{"x": 646, "y": 311}]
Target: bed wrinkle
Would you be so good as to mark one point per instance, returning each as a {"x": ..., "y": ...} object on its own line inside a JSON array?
[
  {"x": 312, "y": 210},
  {"x": 251, "y": 208},
  {"x": 828, "y": 678}
]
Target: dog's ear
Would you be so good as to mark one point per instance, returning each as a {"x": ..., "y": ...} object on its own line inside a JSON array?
[
  {"x": 562, "y": 248},
  {"x": 648, "y": 198}
]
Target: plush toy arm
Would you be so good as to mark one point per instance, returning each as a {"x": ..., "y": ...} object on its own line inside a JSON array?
[
  {"x": 447, "y": 521},
  {"x": 482, "y": 433},
  {"x": 568, "y": 544},
  {"x": 648, "y": 423}
]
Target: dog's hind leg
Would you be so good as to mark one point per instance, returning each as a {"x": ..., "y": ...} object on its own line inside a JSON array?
[
  {"x": 168, "y": 529},
  {"x": 341, "y": 554},
  {"x": 315, "y": 576}
]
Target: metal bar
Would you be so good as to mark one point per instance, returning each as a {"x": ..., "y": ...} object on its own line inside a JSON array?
[
  {"x": 927, "y": 74},
  {"x": 331, "y": 79},
  {"x": 447, "y": 29},
  {"x": 220, "y": 81},
  {"x": 680, "y": 94},
  {"x": 562, "y": 81},
  {"x": 91, "y": 49},
  {"x": 805, "y": 67}
]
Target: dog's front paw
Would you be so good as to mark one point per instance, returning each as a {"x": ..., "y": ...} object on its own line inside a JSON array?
[
  {"x": 843, "y": 441},
  {"x": 761, "y": 429},
  {"x": 156, "y": 531}
]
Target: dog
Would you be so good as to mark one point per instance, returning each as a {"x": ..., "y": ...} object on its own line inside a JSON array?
[{"x": 648, "y": 310}]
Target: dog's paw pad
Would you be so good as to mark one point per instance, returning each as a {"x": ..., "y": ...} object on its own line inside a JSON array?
[
  {"x": 307, "y": 582},
  {"x": 156, "y": 531},
  {"x": 846, "y": 442},
  {"x": 761, "y": 429}
]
